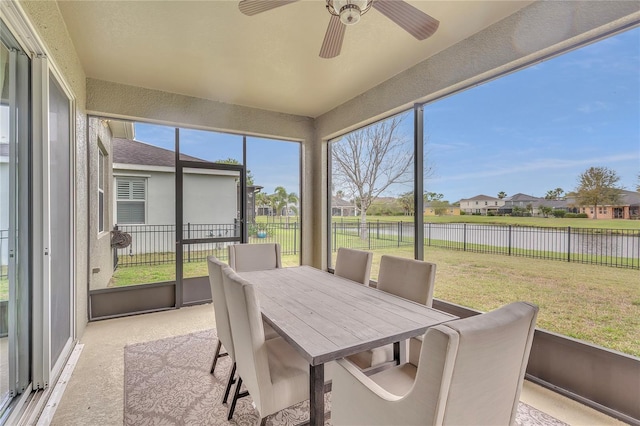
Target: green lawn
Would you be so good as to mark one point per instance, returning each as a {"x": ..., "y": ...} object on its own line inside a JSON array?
[
  {"x": 4, "y": 289},
  {"x": 597, "y": 304}
]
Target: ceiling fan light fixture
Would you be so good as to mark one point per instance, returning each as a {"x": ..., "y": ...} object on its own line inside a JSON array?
[
  {"x": 349, "y": 11},
  {"x": 350, "y": 14}
]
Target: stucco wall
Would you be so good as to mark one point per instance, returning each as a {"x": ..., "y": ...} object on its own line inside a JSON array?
[
  {"x": 101, "y": 260},
  {"x": 48, "y": 24},
  {"x": 208, "y": 198}
]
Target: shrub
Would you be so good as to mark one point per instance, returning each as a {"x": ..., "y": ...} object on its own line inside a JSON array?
[
  {"x": 462, "y": 213},
  {"x": 570, "y": 215},
  {"x": 581, "y": 215},
  {"x": 559, "y": 213}
]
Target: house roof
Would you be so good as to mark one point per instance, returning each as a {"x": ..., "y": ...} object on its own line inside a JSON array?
[
  {"x": 480, "y": 197},
  {"x": 631, "y": 198},
  {"x": 340, "y": 202},
  {"x": 127, "y": 151},
  {"x": 522, "y": 197}
]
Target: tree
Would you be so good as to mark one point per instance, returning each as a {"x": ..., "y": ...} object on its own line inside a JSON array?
[
  {"x": 440, "y": 207},
  {"x": 368, "y": 161},
  {"x": 432, "y": 196},
  {"x": 236, "y": 162},
  {"x": 545, "y": 210},
  {"x": 598, "y": 186},
  {"x": 530, "y": 208},
  {"x": 284, "y": 200},
  {"x": 407, "y": 203},
  {"x": 554, "y": 194},
  {"x": 502, "y": 194}
]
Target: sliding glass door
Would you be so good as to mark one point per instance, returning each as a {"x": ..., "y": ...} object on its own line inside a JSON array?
[{"x": 14, "y": 219}]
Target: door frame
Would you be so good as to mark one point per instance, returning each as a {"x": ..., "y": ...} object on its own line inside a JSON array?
[{"x": 193, "y": 291}]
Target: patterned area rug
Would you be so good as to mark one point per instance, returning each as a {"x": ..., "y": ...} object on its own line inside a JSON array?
[{"x": 167, "y": 382}]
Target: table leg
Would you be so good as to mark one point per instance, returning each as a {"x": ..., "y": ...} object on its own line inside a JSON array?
[
  {"x": 316, "y": 395},
  {"x": 400, "y": 352}
]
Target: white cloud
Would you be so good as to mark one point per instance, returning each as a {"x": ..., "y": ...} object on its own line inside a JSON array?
[
  {"x": 595, "y": 106},
  {"x": 540, "y": 164}
]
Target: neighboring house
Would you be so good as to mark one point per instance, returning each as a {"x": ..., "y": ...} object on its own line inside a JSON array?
[
  {"x": 144, "y": 182},
  {"x": 447, "y": 210},
  {"x": 342, "y": 207},
  {"x": 525, "y": 202},
  {"x": 480, "y": 204},
  {"x": 627, "y": 207}
]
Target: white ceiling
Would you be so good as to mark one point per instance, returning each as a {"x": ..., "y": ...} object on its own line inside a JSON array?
[{"x": 208, "y": 49}]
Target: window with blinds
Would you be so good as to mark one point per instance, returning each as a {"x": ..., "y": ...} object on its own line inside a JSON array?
[
  {"x": 131, "y": 199},
  {"x": 101, "y": 171}
]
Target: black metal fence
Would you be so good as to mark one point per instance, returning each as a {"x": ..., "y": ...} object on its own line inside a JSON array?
[
  {"x": 609, "y": 247},
  {"x": 155, "y": 244}
]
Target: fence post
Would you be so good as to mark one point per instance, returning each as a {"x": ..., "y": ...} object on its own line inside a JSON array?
[
  {"x": 378, "y": 229},
  {"x": 568, "y": 244},
  {"x": 295, "y": 238},
  {"x": 509, "y": 240},
  {"x": 399, "y": 224},
  {"x": 335, "y": 235},
  {"x": 429, "y": 234},
  {"x": 464, "y": 237},
  {"x": 189, "y": 246},
  {"x": 369, "y": 234},
  {"x": 115, "y": 252}
]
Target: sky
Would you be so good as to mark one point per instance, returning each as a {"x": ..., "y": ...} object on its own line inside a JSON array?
[
  {"x": 540, "y": 128},
  {"x": 529, "y": 132},
  {"x": 272, "y": 163}
]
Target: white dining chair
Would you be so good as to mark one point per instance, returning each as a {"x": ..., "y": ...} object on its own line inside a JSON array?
[
  {"x": 273, "y": 372},
  {"x": 470, "y": 372},
  {"x": 254, "y": 257},
  {"x": 223, "y": 326},
  {"x": 407, "y": 278},
  {"x": 354, "y": 265}
]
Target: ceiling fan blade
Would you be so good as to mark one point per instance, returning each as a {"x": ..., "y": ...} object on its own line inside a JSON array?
[
  {"x": 414, "y": 21},
  {"x": 253, "y": 7},
  {"x": 332, "y": 43}
]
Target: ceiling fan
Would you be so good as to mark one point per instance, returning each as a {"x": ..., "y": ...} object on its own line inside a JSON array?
[{"x": 348, "y": 12}]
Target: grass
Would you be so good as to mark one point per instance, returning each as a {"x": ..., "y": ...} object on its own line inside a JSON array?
[
  {"x": 600, "y": 305},
  {"x": 4, "y": 288},
  {"x": 597, "y": 304}
]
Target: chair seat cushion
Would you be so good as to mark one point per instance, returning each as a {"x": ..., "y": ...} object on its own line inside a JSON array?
[{"x": 397, "y": 380}]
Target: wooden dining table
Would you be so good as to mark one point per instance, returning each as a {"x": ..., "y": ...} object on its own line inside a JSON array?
[{"x": 326, "y": 317}]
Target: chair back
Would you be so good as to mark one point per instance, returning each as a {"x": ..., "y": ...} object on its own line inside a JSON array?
[
  {"x": 354, "y": 265},
  {"x": 408, "y": 278},
  {"x": 254, "y": 257},
  {"x": 248, "y": 335},
  {"x": 471, "y": 370},
  {"x": 223, "y": 327}
]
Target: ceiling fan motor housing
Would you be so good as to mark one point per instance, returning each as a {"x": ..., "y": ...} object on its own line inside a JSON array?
[{"x": 349, "y": 11}]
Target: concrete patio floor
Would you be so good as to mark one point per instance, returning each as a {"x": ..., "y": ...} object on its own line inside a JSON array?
[{"x": 94, "y": 395}]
